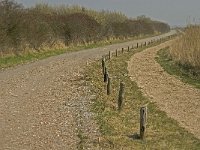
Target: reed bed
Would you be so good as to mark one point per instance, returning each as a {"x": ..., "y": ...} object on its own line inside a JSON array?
[{"x": 186, "y": 50}]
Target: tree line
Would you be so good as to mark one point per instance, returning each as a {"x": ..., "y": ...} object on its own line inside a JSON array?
[{"x": 42, "y": 26}]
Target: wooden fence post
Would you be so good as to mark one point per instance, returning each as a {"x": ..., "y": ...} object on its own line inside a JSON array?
[
  {"x": 122, "y": 50},
  {"x": 137, "y": 45},
  {"x": 106, "y": 75},
  {"x": 116, "y": 53},
  {"x": 109, "y": 85},
  {"x": 103, "y": 65},
  {"x": 110, "y": 55},
  {"x": 121, "y": 95},
  {"x": 143, "y": 120},
  {"x": 128, "y": 48}
]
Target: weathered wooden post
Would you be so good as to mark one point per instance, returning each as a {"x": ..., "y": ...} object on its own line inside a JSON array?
[
  {"x": 143, "y": 120},
  {"x": 145, "y": 44},
  {"x": 110, "y": 55},
  {"x": 137, "y": 45},
  {"x": 128, "y": 48},
  {"x": 106, "y": 75},
  {"x": 121, "y": 95},
  {"x": 103, "y": 65},
  {"x": 109, "y": 85},
  {"x": 122, "y": 50},
  {"x": 116, "y": 53}
]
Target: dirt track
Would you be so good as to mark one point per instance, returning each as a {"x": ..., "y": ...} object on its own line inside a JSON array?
[
  {"x": 179, "y": 100},
  {"x": 45, "y": 104}
]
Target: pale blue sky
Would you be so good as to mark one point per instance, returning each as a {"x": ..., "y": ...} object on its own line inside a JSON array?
[{"x": 174, "y": 12}]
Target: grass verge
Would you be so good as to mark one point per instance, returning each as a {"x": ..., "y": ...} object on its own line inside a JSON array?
[
  {"x": 186, "y": 74},
  {"x": 120, "y": 129},
  {"x": 14, "y": 60}
]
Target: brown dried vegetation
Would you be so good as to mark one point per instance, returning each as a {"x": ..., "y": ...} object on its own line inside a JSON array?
[{"x": 186, "y": 50}]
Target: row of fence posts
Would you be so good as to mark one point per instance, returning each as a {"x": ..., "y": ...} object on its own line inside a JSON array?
[{"x": 107, "y": 79}]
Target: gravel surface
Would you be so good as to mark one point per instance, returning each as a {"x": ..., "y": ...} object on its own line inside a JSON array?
[
  {"x": 45, "y": 104},
  {"x": 179, "y": 100}
]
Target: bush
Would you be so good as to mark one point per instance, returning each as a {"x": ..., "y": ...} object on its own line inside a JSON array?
[
  {"x": 10, "y": 26},
  {"x": 42, "y": 26}
]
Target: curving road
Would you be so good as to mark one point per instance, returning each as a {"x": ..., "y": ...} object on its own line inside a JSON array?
[{"x": 45, "y": 104}]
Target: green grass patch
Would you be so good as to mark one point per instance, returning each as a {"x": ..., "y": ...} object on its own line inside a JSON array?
[
  {"x": 20, "y": 59},
  {"x": 120, "y": 130},
  {"x": 185, "y": 73}
]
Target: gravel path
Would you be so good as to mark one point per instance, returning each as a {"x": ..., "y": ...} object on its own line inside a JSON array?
[
  {"x": 179, "y": 100},
  {"x": 45, "y": 104}
]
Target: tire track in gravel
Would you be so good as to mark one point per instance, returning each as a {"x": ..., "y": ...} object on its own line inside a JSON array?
[
  {"x": 179, "y": 100},
  {"x": 45, "y": 104}
]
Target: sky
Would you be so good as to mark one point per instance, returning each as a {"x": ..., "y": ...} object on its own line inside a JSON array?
[{"x": 173, "y": 12}]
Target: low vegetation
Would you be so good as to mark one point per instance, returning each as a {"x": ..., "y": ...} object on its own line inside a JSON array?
[
  {"x": 44, "y": 27},
  {"x": 182, "y": 58},
  {"x": 120, "y": 130},
  {"x": 186, "y": 74}
]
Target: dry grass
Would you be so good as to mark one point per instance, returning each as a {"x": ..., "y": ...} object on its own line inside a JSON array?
[{"x": 186, "y": 50}]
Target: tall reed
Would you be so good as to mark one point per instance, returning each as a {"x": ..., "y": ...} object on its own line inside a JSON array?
[{"x": 186, "y": 50}]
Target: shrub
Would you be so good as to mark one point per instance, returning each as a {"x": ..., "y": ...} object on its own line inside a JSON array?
[{"x": 42, "y": 26}]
